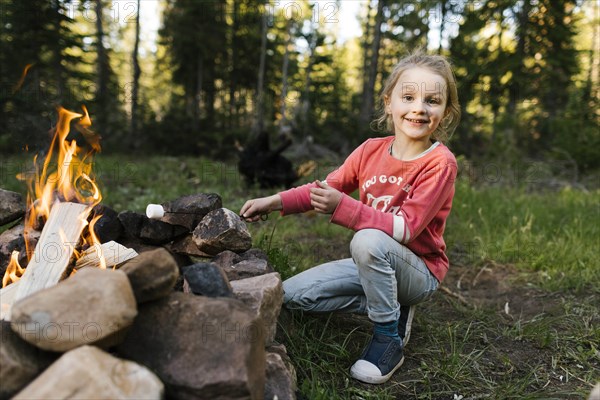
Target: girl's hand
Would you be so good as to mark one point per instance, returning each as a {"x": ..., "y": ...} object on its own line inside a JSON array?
[
  {"x": 324, "y": 198},
  {"x": 253, "y": 209}
]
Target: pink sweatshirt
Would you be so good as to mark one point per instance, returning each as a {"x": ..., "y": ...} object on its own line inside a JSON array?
[{"x": 408, "y": 200}]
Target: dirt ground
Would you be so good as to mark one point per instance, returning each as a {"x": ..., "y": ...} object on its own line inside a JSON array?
[{"x": 532, "y": 354}]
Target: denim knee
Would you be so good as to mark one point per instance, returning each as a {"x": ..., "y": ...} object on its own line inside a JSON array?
[
  {"x": 366, "y": 245},
  {"x": 294, "y": 297}
]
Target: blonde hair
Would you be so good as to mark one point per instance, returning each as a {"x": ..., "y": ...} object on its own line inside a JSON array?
[{"x": 438, "y": 65}]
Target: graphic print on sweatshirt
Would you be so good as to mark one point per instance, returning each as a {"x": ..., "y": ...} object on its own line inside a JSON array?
[{"x": 381, "y": 201}]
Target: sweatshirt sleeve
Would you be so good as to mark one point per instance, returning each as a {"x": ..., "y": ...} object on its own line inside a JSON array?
[
  {"x": 344, "y": 179},
  {"x": 296, "y": 200},
  {"x": 427, "y": 198},
  {"x": 430, "y": 195}
]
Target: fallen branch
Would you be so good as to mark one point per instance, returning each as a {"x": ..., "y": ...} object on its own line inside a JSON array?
[{"x": 455, "y": 295}]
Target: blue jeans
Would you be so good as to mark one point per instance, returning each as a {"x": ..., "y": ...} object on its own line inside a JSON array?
[{"x": 381, "y": 275}]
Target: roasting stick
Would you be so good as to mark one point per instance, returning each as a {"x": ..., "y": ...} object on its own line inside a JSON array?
[{"x": 156, "y": 211}]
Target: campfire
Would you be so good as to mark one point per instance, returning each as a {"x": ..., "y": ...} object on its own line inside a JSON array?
[
  {"x": 177, "y": 305},
  {"x": 62, "y": 194}
]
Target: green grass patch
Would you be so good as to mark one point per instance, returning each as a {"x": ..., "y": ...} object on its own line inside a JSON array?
[
  {"x": 556, "y": 235},
  {"x": 474, "y": 351}
]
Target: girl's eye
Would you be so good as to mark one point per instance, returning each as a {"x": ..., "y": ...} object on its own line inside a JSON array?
[
  {"x": 433, "y": 101},
  {"x": 407, "y": 97}
]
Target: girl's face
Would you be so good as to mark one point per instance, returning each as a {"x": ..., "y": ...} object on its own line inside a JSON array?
[{"x": 417, "y": 103}]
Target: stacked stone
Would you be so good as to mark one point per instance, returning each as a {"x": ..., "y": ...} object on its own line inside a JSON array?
[{"x": 193, "y": 316}]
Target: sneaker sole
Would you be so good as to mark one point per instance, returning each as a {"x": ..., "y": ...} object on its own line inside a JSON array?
[
  {"x": 375, "y": 379},
  {"x": 409, "y": 319}
]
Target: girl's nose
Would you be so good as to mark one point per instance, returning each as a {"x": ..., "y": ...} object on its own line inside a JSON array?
[{"x": 418, "y": 107}]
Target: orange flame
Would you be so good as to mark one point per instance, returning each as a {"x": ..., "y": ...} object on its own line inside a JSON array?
[
  {"x": 91, "y": 240},
  {"x": 17, "y": 87},
  {"x": 13, "y": 271},
  {"x": 65, "y": 175}
]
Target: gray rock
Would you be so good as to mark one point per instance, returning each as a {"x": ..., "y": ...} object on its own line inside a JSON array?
[
  {"x": 152, "y": 274},
  {"x": 157, "y": 232},
  {"x": 90, "y": 373},
  {"x": 12, "y": 240},
  {"x": 12, "y": 206},
  {"x": 189, "y": 210},
  {"x": 206, "y": 279},
  {"x": 280, "y": 379},
  {"x": 221, "y": 230},
  {"x": 264, "y": 294},
  {"x": 200, "y": 347},
  {"x": 247, "y": 269},
  {"x": 107, "y": 227},
  {"x": 186, "y": 246},
  {"x": 253, "y": 262},
  {"x": 20, "y": 362},
  {"x": 132, "y": 223},
  {"x": 148, "y": 230},
  {"x": 227, "y": 258},
  {"x": 93, "y": 307}
]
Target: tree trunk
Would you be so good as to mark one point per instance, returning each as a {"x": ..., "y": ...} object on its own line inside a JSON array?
[
  {"x": 442, "y": 23},
  {"x": 517, "y": 81},
  {"x": 284, "y": 78},
  {"x": 57, "y": 62},
  {"x": 136, "y": 78},
  {"x": 259, "y": 107},
  {"x": 233, "y": 119},
  {"x": 308, "y": 84},
  {"x": 366, "y": 111},
  {"x": 594, "y": 71},
  {"x": 197, "y": 93},
  {"x": 102, "y": 69},
  {"x": 366, "y": 47}
]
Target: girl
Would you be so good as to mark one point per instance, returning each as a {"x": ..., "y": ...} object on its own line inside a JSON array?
[{"x": 406, "y": 185}]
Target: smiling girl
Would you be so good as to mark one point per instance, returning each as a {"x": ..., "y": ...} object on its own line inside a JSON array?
[{"x": 406, "y": 186}]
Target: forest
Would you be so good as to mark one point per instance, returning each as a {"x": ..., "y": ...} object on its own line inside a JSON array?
[
  {"x": 178, "y": 88},
  {"x": 216, "y": 73}
]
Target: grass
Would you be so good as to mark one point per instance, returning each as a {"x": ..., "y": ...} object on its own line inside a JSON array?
[
  {"x": 549, "y": 242},
  {"x": 553, "y": 234}
]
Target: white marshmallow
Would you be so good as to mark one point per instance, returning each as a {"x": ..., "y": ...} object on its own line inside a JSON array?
[{"x": 155, "y": 211}]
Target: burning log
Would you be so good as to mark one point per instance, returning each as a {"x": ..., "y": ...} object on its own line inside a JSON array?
[
  {"x": 53, "y": 252},
  {"x": 110, "y": 254},
  {"x": 7, "y": 298}
]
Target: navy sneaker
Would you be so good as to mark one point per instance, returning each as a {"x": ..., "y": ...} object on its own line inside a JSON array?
[
  {"x": 405, "y": 323},
  {"x": 381, "y": 358}
]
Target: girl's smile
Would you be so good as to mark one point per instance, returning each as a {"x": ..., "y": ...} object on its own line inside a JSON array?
[{"x": 417, "y": 105}]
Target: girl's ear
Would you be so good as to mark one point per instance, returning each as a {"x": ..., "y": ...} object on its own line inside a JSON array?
[{"x": 388, "y": 107}]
